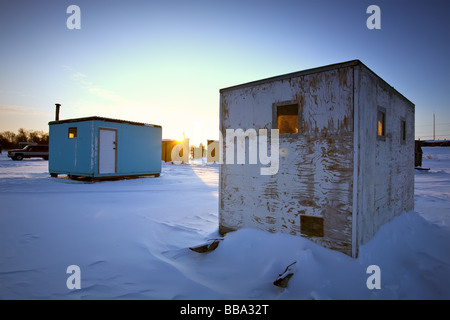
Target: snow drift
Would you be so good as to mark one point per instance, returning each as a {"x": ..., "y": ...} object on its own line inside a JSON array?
[{"x": 131, "y": 240}]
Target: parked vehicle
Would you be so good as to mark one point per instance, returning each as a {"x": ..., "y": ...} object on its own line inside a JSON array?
[{"x": 29, "y": 151}]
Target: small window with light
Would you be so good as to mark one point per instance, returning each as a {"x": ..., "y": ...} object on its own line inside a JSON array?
[
  {"x": 381, "y": 124},
  {"x": 286, "y": 117},
  {"x": 72, "y": 133}
]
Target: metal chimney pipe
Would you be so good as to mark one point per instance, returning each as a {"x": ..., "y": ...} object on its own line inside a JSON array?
[{"x": 58, "y": 106}]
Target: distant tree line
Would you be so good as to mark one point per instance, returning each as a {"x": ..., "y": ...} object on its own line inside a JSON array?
[{"x": 10, "y": 140}]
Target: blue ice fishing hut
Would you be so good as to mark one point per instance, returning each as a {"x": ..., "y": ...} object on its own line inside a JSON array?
[{"x": 96, "y": 147}]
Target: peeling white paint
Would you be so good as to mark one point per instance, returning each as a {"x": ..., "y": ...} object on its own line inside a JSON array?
[{"x": 326, "y": 170}]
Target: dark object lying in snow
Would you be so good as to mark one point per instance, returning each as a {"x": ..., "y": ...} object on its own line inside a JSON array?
[
  {"x": 283, "y": 278},
  {"x": 207, "y": 247}
]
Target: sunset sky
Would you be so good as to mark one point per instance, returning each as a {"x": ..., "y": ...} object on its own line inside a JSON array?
[{"x": 164, "y": 61}]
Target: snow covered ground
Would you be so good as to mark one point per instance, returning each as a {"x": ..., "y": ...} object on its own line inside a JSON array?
[{"x": 130, "y": 239}]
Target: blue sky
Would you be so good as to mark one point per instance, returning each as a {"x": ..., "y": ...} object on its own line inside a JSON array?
[{"x": 164, "y": 62}]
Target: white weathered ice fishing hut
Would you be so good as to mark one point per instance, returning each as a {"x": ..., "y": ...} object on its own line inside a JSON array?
[{"x": 346, "y": 155}]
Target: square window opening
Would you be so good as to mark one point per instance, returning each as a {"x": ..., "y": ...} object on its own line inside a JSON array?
[
  {"x": 311, "y": 226},
  {"x": 72, "y": 132},
  {"x": 287, "y": 118}
]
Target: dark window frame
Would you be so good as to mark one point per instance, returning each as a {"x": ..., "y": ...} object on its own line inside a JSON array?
[
  {"x": 381, "y": 116},
  {"x": 285, "y": 108},
  {"x": 403, "y": 130},
  {"x": 74, "y": 131}
]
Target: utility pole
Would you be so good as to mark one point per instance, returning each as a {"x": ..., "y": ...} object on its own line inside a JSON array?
[{"x": 434, "y": 127}]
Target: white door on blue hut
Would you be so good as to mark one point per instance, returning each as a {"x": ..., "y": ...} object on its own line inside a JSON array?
[{"x": 107, "y": 154}]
